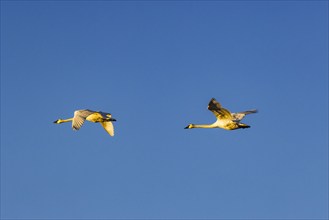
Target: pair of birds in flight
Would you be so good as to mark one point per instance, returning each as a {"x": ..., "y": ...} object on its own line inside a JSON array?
[{"x": 225, "y": 119}]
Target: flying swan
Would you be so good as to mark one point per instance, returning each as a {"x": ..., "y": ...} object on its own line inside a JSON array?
[
  {"x": 93, "y": 116},
  {"x": 225, "y": 119}
]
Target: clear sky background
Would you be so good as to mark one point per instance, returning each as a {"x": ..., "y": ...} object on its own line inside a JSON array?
[{"x": 155, "y": 66}]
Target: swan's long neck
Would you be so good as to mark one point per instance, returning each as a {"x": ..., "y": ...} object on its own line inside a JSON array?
[
  {"x": 204, "y": 126},
  {"x": 59, "y": 121}
]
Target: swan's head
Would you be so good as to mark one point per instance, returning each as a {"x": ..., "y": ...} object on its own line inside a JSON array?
[
  {"x": 189, "y": 126},
  {"x": 58, "y": 121}
]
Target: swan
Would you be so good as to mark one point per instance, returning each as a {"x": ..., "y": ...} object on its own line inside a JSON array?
[
  {"x": 105, "y": 119},
  {"x": 225, "y": 119}
]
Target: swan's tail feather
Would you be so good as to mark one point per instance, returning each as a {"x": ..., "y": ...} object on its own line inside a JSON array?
[{"x": 243, "y": 126}]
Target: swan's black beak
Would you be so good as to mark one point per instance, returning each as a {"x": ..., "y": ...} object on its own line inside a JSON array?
[
  {"x": 112, "y": 119},
  {"x": 187, "y": 127},
  {"x": 55, "y": 121}
]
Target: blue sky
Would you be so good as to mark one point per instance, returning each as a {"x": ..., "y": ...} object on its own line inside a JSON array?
[{"x": 155, "y": 66}]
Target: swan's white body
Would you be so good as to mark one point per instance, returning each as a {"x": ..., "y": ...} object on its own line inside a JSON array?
[
  {"x": 93, "y": 116},
  {"x": 225, "y": 119}
]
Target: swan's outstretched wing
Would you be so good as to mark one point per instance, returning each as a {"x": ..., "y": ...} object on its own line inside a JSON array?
[
  {"x": 240, "y": 115},
  {"x": 219, "y": 112},
  {"x": 108, "y": 126},
  {"x": 80, "y": 117}
]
